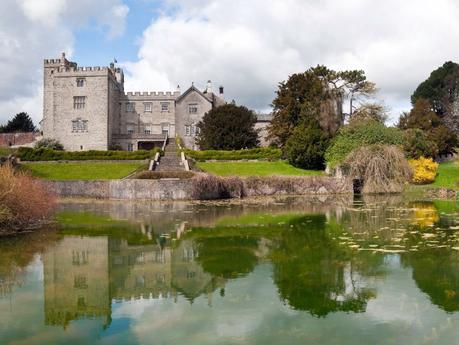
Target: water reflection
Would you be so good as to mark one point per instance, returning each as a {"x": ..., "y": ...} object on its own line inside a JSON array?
[{"x": 311, "y": 257}]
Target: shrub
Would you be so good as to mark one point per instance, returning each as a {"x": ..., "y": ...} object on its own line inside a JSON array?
[
  {"x": 424, "y": 170},
  {"x": 306, "y": 147},
  {"x": 44, "y": 154},
  {"x": 156, "y": 175},
  {"x": 417, "y": 144},
  {"x": 115, "y": 147},
  {"x": 362, "y": 133},
  {"x": 210, "y": 187},
  {"x": 48, "y": 143},
  {"x": 23, "y": 199},
  {"x": 268, "y": 153},
  {"x": 382, "y": 168}
]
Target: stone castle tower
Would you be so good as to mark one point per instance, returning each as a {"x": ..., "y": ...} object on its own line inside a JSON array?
[{"x": 86, "y": 108}]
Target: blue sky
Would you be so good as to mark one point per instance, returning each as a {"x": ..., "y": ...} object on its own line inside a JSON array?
[
  {"x": 246, "y": 46},
  {"x": 93, "y": 47}
]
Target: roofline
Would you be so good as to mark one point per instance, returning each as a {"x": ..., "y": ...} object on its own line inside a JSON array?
[{"x": 192, "y": 88}]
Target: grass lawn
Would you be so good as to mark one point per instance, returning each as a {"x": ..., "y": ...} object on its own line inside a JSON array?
[
  {"x": 448, "y": 175},
  {"x": 5, "y": 151},
  {"x": 261, "y": 168},
  {"x": 82, "y": 170}
]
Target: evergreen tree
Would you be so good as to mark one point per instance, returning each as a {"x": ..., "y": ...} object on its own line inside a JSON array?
[
  {"x": 442, "y": 92},
  {"x": 228, "y": 127},
  {"x": 423, "y": 117},
  {"x": 20, "y": 123}
]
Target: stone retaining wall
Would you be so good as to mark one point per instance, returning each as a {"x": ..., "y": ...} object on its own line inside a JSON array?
[
  {"x": 174, "y": 189},
  {"x": 123, "y": 189}
]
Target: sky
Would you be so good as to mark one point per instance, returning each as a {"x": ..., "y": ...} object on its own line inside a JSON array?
[{"x": 246, "y": 46}]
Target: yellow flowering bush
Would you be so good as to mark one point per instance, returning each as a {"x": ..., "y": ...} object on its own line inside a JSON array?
[{"x": 424, "y": 170}]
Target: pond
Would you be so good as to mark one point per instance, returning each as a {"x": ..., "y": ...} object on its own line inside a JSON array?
[{"x": 266, "y": 271}]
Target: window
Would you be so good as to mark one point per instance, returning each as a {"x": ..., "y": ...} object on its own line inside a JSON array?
[
  {"x": 79, "y": 102},
  {"x": 193, "y": 130},
  {"x": 80, "y": 282},
  {"x": 164, "y": 106},
  {"x": 130, "y": 147},
  {"x": 81, "y": 302},
  {"x": 148, "y": 107},
  {"x": 187, "y": 130},
  {"x": 140, "y": 281},
  {"x": 80, "y": 257},
  {"x": 130, "y": 107},
  {"x": 147, "y": 129},
  {"x": 80, "y": 82},
  {"x": 193, "y": 108},
  {"x": 79, "y": 125},
  {"x": 130, "y": 129}
]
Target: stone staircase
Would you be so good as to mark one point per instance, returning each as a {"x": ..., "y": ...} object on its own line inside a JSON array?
[{"x": 171, "y": 160}]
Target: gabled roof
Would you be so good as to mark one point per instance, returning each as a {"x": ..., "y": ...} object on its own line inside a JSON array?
[{"x": 191, "y": 89}]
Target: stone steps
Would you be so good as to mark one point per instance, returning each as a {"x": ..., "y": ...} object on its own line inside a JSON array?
[{"x": 171, "y": 161}]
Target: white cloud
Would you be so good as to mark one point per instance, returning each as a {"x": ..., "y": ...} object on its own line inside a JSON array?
[
  {"x": 250, "y": 46},
  {"x": 32, "y": 30}
]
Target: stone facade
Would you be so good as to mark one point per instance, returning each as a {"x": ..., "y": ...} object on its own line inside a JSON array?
[{"x": 86, "y": 108}]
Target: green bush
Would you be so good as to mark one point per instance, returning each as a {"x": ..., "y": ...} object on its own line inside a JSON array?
[
  {"x": 266, "y": 153},
  {"x": 351, "y": 137},
  {"x": 49, "y": 143},
  {"x": 306, "y": 147},
  {"x": 44, "y": 154},
  {"x": 417, "y": 144}
]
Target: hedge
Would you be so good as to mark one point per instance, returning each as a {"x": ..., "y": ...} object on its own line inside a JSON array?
[
  {"x": 266, "y": 153},
  {"x": 44, "y": 154}
]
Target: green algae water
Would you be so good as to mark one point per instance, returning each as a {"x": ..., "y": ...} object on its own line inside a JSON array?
[{"x": 268, "y": 271}]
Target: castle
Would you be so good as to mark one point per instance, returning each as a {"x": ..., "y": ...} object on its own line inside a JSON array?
[{"x": 86, "y": 108}]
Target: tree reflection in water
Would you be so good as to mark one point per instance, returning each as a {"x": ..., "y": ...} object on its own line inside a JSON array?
[{"x": 313, "y": 273}]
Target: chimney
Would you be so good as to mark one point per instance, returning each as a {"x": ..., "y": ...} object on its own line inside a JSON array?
[
  {"x": 178, "y": 88},
  {"x": 209, "y": 87},
  {"x": 63, "y": 60}
]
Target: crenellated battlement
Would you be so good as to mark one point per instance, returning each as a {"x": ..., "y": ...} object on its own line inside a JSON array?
[
  {"x": 160, "y": 94},
  {"x": 52, "y": 61}
]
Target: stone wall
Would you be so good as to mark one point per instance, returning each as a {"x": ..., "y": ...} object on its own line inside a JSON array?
[
  {"x": 123, "y": 189},
  {"x": 11, "y": 139},
  {"x": 134, "y": 189}
]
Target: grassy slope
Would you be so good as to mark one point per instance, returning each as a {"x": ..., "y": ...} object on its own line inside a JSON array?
[
  {"x": 5, "y": 151},
  {"x": 82, "y": 170},
  {"x": 261, "y": 168},
  {"x": 448, "y": 175}
]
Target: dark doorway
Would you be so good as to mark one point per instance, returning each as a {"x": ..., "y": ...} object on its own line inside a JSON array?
[
  {"x": 146, "y": 145},
  {"x": 358, "y": 186}
]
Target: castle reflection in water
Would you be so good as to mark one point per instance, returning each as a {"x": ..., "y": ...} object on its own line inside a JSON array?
[{"x": 83, "y": 275}]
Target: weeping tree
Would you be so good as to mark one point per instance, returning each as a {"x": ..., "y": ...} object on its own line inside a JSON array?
[{"x": 382, "y": 168}]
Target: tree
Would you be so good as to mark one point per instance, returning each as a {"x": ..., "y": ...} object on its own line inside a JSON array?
[
  {"x": 421, "y": 116},
  {"x": 20, "y": 123},
  {"x": 441, "y": 90},
  {"x": 417, "y": 144},
  {"x": 320, "y": 89},
  {"x": 424, "y": 118},
  {"x": 370, "y": 111},
  {"x": 306, "y": 146},
  {"x": 228, "y": 127}
]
